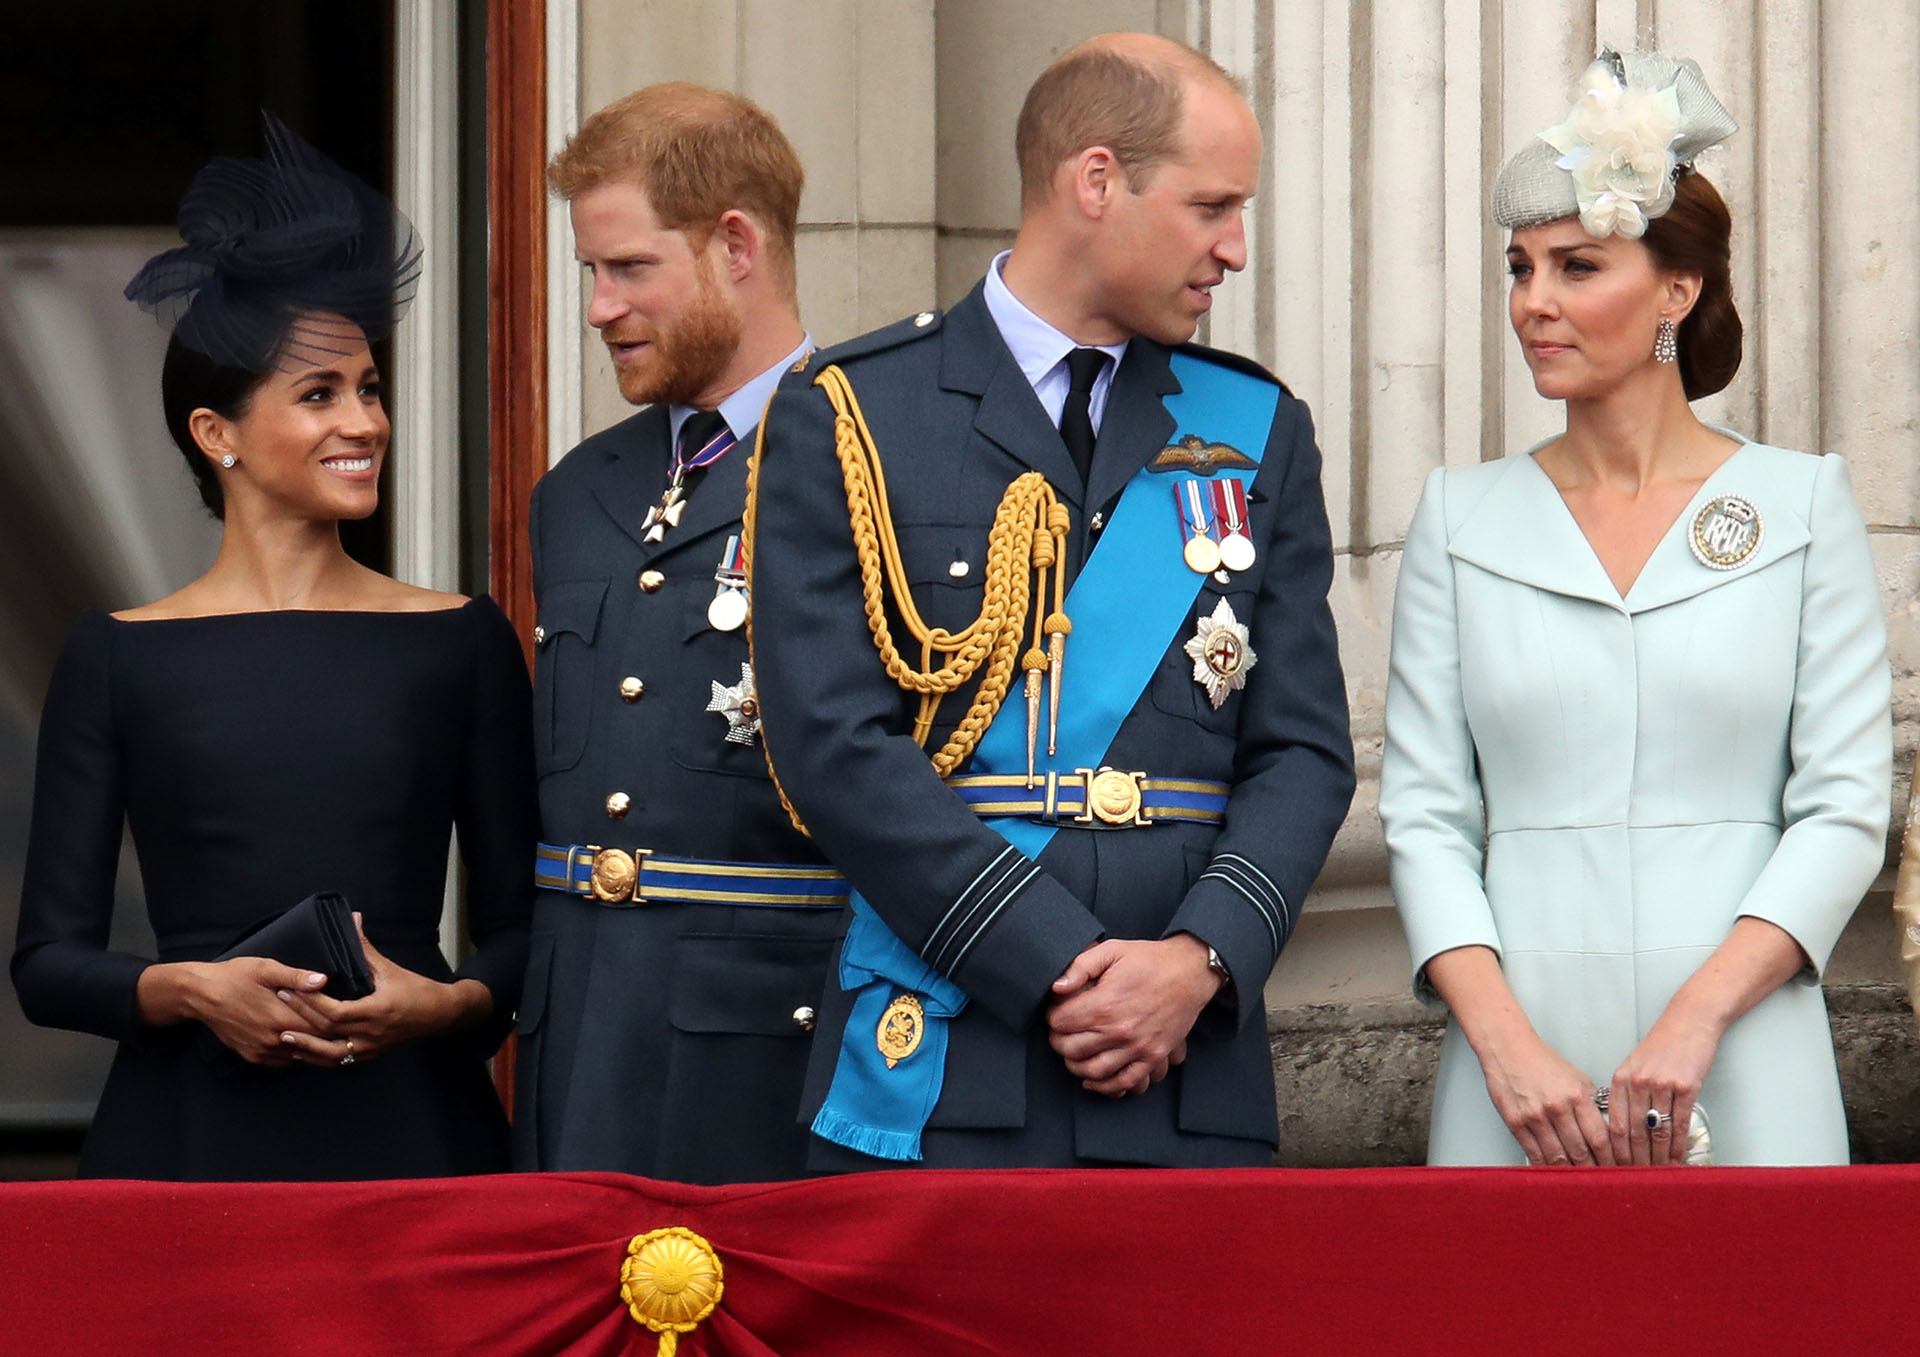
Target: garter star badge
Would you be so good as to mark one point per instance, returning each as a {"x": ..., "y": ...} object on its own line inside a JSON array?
[
  {"x": 1725, "y": 533},
  {"x": 1221, "y": 649},
  {"x": 740, "y": 705}
]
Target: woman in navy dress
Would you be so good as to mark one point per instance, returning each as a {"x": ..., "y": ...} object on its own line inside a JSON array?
[{"x": 290, "y": 722}]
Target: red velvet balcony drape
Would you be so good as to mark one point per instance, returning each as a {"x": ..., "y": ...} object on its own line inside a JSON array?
[{"x": 931, "y": 1264}]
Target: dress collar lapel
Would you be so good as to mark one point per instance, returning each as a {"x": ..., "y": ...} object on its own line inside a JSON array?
[
  {"x": 1674, "y": 573},
  {"x": 1522, "y": 529}
]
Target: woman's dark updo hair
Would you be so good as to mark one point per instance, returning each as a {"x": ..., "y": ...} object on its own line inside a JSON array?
[
  {"x": 189, "y": 381},
  {"x": 1694, "y": 236}
]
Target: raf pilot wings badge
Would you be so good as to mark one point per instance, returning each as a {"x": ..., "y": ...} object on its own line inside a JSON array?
[{"x": 1197, "y": 457}]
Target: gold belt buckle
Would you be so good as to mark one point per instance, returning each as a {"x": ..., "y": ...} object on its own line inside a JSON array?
[
  {"x": 1112, "y": 797},
  {"x": 616, "y": 874}
]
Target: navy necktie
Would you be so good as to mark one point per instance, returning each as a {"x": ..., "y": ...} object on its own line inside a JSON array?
[
  {"x": 696, "y": 435},
  {"x": 1076, "y": 416}
]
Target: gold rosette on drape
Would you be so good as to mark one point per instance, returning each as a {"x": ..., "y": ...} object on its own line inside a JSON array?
[{"x": 671, "y": 1279}]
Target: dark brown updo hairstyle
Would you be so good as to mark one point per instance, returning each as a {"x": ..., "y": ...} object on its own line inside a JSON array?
[
  {"x": 189, "y": 381},
  {"x": 1695, "y": 236}
]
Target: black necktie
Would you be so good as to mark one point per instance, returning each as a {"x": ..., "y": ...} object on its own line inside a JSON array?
[
  {"x": 1076, "y": 416},
  {"x": 696, "y": 433}
]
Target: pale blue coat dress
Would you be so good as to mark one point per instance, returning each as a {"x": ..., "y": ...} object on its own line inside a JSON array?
[{"x": 1597, "y": 787}]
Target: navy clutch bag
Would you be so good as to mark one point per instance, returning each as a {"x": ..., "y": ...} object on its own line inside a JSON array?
[{"x": 315, "y": 935}]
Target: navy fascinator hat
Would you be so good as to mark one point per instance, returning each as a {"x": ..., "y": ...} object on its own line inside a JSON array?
[{"x": 274, "y": 247}]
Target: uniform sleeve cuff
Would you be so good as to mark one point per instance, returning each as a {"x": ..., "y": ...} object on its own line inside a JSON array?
[
  {"x": 1236, "y": 912},
  {"x": 1010, "y": 968}
]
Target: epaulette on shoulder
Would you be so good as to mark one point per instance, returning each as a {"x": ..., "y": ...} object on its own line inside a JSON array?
[
  {"x": 1233, "y": 361},
  {"x": 877, "y": 341}
]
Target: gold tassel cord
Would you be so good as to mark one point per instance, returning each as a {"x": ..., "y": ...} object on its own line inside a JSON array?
[
  {"x": 1024, "y": 546},
  {"x": 749, "y": 519}
]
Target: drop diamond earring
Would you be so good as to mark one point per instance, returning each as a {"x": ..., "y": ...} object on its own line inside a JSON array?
[{"x": 1665, "y": 347}]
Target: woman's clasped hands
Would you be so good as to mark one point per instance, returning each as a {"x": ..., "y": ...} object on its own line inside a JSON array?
[
  {"x": 1551, "y": 1109},
  {"x": 404, "y": 1005},
  {"x": 275, "y": 1015}
]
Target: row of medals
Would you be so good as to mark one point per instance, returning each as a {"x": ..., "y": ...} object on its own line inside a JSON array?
[{"x": 1213, "y": 525}]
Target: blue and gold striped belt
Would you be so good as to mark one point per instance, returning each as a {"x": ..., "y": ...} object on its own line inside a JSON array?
[
  {"x": 628, "y": 877},
  {"x": 1096, "y": 798}
]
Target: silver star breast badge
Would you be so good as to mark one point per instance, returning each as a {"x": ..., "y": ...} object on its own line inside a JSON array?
[
  {"x": 741, "y": 706},
  {"x": 1222, "y": 652}
]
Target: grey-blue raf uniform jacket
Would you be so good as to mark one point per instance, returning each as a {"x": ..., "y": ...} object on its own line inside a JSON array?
[
  {"x": 668, "y": 1040},
  {"x": 956, "y": 421}
]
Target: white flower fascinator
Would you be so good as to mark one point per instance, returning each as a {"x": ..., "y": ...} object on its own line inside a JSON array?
[{"x": 1640, "y": 119}]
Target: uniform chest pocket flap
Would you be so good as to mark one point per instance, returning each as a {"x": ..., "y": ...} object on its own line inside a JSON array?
[
  {"x": 569, "y": 618},
  {"x": 708, "y": 655},
  {"x": 1174, "y": 689},
  {"x": 945, "y": 565}
]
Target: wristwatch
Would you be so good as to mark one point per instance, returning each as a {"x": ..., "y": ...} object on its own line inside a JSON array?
[{"x": 1219, "y": 968}]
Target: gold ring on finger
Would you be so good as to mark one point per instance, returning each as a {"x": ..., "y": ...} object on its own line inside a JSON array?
[{"x": 348, "y": 1058}]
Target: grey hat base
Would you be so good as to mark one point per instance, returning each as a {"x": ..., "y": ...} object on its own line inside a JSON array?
[{"x": 1531, "y": 188}]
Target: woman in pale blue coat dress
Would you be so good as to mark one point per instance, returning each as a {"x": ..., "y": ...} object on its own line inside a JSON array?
[{"x": 1638, "y": 742}]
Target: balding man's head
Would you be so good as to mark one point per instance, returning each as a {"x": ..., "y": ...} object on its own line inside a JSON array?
[{"x": 1123, "y": 91}]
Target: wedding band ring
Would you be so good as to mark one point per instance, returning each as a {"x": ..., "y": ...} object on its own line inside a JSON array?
[
  {"x": 348, "y": 1058},
  {"x": 1658, "y": 1122}
]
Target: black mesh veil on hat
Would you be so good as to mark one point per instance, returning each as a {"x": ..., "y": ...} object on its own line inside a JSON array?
[{"x": 273, "y": 247}]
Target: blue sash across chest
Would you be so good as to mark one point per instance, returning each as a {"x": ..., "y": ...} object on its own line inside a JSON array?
[{"x": 1128, "y": 603}]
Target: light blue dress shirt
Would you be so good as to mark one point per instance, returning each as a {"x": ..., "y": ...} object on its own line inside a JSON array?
[
  {"x": 743, "y": 408},
  {"x": 1041, "y": 350}
]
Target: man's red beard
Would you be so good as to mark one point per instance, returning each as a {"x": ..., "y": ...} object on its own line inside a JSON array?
[{"x": 684, "y": 355}]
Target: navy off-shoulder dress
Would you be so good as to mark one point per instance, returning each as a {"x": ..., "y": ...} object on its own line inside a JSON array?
[{"x": 259, "y": 757}]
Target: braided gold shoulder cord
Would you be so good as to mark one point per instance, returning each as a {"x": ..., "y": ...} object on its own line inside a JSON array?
[{"x": 1024, "y": 547}]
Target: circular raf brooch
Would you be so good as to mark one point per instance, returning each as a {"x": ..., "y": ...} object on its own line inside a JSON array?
[{"x": 1726, "y": 532}]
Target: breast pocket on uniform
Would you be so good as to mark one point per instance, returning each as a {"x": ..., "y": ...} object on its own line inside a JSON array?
[
  {"x": 945, "y": 567},
  {"x": 718, "y": 730},
  {"x": 1210, "y": 656},
  {"x": 569, "y": 617}
]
